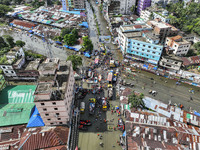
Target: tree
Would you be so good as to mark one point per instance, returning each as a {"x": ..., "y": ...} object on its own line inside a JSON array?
[
  {"x": 197, "y": 46},
  {"x": 2, "y": 43},
  {"x": 58, "y": 2},
  {"x": 5, "y": 2},
  {"x": 18, "y": 2},
  {"x": 76, "y": 61},
  {"x": 136, "y": 101},
  {"x": 4, "y": 10},
  {"x": 75, "y": 33},
  {"x": 20, "y": 43},
  {"x": 65, "y": 31},
  {"x": 69, "y": 39},
  {"x": 9, "y": 40},
  {"x": 133, "y": 8},
  {"x": 87, "y": 44}
]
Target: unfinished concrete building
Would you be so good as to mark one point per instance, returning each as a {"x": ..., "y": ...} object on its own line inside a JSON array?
[{"x": 55, "y": 91}]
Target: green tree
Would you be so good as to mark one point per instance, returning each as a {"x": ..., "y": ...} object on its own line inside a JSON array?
[
  {"x": 136, "y": 101},
  {"x": 75, "y": 33},
  {"x": 76, "y": 61},
  {"x": 132, "y": 8},
  {"x": 5, "y": 2},
  {"x": 37, "y": 3},
  {"x": 65, "y": 31},
  {"x": 197, "y": 46},
  {"x": 9, "y": 40},
  {"x": 4, "y": 10},
  {"x": 2, "y": 43},
  {"x": 18, "y": 2},
  {"x": 58, "y": 2},
  {"x": 69, "y": 39},
  {"x": 87, "y": 44},
  {"x": 20, "y": 43}
]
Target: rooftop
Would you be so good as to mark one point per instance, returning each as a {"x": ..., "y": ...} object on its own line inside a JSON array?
[
  {"x": 179, "y": 39},
  {"x": 33, "y": 65},
  {"x": 44, "y": 137},
  {"x": 135, "y": 27},
  {"x": 16, "y": 104},
  {"x": 159, "y": 24}
]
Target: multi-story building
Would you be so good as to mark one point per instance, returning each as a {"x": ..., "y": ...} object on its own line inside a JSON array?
[
  {"x": 163, "y": 29},
  {"x": 13, "y": 66},
  {"x": 54, "y": 92},
  {"x": 142, "y": 5},
  {"x": 73, "y": 4},
  {"x": 116, "y": 7},
  {"x": 154, "y": 12},
  {"x": 163, "y": 3},
  {"x": 178, "y": 44},
  {"x": 171, "y": 62},
  {"x": 139, "y": 42}
]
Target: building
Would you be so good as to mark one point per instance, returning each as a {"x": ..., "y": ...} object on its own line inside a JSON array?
[
  {"x": 178, "y": 44},
  {"x": 139, "y": 42},
  {"x": 73, "y": 4},
  {"x": 171, "y": 63},
  {"x": 142, "y": 5},
  {"x": 10, "y": 136},
  {"x": 163, "y": 29},
  {"x": 163, "y": 3},
  {"x": 116, "y": 7},
  {"x": 55, "y": 91},
  {"x": 51, "y": 138},
  {"x": 16, "y": 103},
  {"x": 14, "y": 68}
]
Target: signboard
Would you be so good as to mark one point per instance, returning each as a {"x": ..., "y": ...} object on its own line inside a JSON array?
[{"x": 105, "y": 39}]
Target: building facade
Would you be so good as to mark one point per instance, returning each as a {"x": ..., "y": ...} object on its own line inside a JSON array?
[
  {"x": 142, "y": 5},
  {"x": 117, "y": 7},
  {"x": 140, "y": 44},
  {"x": 162, "y": 29},
  {"x": 73, "y": 4},
  {"x": 179, "y": 45},
  {"x": 55, "y": 91},
  {"x": 171, "y": 63}
]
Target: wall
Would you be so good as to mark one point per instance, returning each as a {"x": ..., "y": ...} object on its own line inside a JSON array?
[
  {"x": 170, "y": 63},
  {"x": 143, "y": 49},
  {"x": 8, "y": 70}
]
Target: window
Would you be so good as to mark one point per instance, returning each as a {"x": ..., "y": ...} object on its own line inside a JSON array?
[
  {"x": 57, "y": 114},
  {"x": 138, "y": 44},
  {"x": 55, "y": 108},
  {"x": 149, "y": 46},
  {"x": 4, "y": 67},
  {"x": 42, "y": 103},
  {"x": 142, "y": 49},
  {"x": 153, "y": 56},
  {"x": 54, "y": 103},
  {"x": 51, "y": 123},
  {"x": 148, "y": 50},
  {"x": 48, "y": 119},
  {"x": 143, "y": 45},
  {"x": 46, "y": 114},
  {"x": 60, "y": 123},
  {"x": 59, "y": 118},
  {"x": 142, "y": 54},
  {"x": 44, "y": 109},
  {"x": 153, "y": 52}
]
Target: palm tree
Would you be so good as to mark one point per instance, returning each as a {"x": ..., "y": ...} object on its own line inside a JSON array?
[{"x": 136, "y": 101}]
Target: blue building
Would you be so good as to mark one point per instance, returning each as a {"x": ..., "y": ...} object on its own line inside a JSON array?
[{"x": 140, "y": 43}]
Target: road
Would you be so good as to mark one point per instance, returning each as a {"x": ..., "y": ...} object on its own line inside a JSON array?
[{"x": 36, "y": 44}]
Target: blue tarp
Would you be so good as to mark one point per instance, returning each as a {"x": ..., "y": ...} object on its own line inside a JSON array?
[
  {"x": 84, "y": 24},
  {"x": 155, "y": 68},
  {"x": 35, "y": 120},
  {"x": 58, "y": 42},
  {"x": 30, "y": 31},
  {"x": 44, "y": 10},
  {"x": 69, "y": 47},
  {"x": 86, "y": 54},
  {"x": 196, "y": 113},
  {"x": 124, "y": 134},
  {"x": 195, "y": 84},
  {"x": 146, "y": 66},
  {"x": 71, "y": 12}
]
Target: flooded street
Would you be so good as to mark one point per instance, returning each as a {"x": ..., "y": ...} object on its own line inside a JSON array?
[{"x": 36, "y": 44}]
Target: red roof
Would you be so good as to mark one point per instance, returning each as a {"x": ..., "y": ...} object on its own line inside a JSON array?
[
  {"x": 23, "y": 23},
  {"x": 195, "y": 59},
  {"x": 137, "y": 26},
  {"x": 44, "y": 137},
  {"x": 186, "y": 61}
]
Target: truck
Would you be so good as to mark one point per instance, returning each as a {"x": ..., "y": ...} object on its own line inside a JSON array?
[
  {"x": 110, "y": 77},
  {"x": 82, "y": 107},
  {"x": 104, "y": 105},
  {"x": 110, "y": 91},
  {"x": 112, "y": 63},
  {"x": 96, "y": 61}
]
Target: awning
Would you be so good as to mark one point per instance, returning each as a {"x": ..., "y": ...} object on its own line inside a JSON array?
[
  {"x": 30, "y": 31},
  {"x": 58, "y": 42},
  {"x": 124, "y": 134}
]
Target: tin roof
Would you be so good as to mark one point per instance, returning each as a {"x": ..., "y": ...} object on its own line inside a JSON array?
[
  {"x": 44, "y": 137},
  {"x": 16, "y": 104}
]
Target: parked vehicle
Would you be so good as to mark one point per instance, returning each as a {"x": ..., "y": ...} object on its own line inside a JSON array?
[
  {"x": 110, "y": 91},
  {"x": 85, "y": 122},
  {"x": 82, "y": 127},
  {"x": 104, "y": 105},
  {"x": 91, "y": 108},
  {"x": 82, "y": 107}
]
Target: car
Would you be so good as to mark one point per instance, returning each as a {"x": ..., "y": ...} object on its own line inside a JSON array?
[
  {"x": 120, "y": 122},
  {"x": 82, "y": 127},
  {"x": 85, "y": 122}
]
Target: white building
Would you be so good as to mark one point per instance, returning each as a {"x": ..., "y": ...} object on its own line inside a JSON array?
[
  {"x": 179, "y": 45},
  {"x": 152, "y": 13},
  {"x": 163, "y": 2}
]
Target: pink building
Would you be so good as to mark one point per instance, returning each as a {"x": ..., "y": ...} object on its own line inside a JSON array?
[{"x": 54, "y": 92}]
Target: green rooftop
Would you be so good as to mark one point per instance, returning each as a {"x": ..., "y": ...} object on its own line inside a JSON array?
[{"x": 16, "y": 103}]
